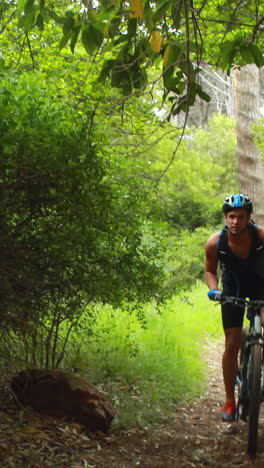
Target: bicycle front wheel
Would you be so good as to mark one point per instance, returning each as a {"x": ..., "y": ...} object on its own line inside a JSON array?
[
  {"x": 245, "y": 333},
  {"x": 242, "y": 378},
  {"x": 254, "y": 381}
]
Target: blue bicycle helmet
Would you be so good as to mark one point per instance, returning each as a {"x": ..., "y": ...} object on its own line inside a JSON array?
[{"x": 237, "y": 201}]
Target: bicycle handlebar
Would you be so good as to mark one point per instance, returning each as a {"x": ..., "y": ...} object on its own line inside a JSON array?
[{"x": 242, "y": 302}]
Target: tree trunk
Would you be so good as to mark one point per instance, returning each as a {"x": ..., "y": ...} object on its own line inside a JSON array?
[{"x": 251, "y": 171}]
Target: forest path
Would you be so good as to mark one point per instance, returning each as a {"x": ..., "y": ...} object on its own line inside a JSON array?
[{"x": 196, "y": 437}]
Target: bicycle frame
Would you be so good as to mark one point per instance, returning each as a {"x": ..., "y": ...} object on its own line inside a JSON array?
[
  {"x": 254, "y": 337},
  {"x": 250, "y": 377}
]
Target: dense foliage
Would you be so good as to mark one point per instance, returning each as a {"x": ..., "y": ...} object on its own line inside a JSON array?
[
  {"x": 175, "y": 36},
  {"x": 89, "y": 212},
  {"x": 73, "y": 212}
]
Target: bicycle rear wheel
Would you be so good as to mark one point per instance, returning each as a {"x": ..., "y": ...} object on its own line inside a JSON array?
[{"x": 254, "y": 381}]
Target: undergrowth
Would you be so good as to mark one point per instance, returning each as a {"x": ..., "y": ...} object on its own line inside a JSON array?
[{"x": 148, "y": 365}]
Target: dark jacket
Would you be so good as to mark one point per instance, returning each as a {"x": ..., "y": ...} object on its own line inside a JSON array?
[{"x": 242, "y": 276}]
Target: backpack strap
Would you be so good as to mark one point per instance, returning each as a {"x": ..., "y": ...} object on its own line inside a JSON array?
[
  {"x": 258, "y": 244},
  {"x": 222, "y": 245}
]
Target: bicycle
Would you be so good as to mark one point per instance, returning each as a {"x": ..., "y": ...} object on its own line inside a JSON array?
[{"x": 250, "y": 377}]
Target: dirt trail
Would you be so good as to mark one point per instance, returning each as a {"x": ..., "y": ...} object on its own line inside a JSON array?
[{"x": 195, "y": 438}]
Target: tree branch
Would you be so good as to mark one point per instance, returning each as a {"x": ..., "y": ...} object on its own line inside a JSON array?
[
  {"x": 213, "y": 20},
  {"x": 30, "y": 51}
]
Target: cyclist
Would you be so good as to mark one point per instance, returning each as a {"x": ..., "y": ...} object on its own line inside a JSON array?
[{"x": 239, "y": 249}]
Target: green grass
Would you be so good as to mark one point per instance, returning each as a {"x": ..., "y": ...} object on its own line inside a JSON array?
[{"x": 149, "y": 366}]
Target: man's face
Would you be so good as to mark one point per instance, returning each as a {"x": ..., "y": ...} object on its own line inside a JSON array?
[{"x": 237, "y": 220}]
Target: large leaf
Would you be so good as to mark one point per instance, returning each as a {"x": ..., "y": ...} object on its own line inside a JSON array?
[
  {"x": 65, "y": 38},
  {"x": 171, "y": 84},
  {"x": 58, "y": 19},
  {"x": 159, "y": 13},
  {"x": 122, "y": 38},
  {"x": 105, "y": 72},
  {"x": 113, "y": 26},
  {"x": 30, "y": 19},
  {"x": 176, "y": 13},
  {"x": 148, "y": 16},
  {"x": 92, "y": 38},
  {"x": 227, "y": 53},
  {"x": 156, "y": 41},
  {"x": 139, "y": 77},
  {"x": 132, "y": 27},
  {"x": 74, "y": 37},
  {"x": 40, "y": 22},
  {"x": 202, "y": 94},
  {"x": 257, "y": 54},
  {"x": 136, "y": 9},
  {"x": 246, "y": 53},
  {"x": 21, "y": 5},
  {"x": 121, "y": 77},
  {"x": 171, "y": 54},
  {"x": 143, "y": 50},
  {"x": 29, "y": 5}
]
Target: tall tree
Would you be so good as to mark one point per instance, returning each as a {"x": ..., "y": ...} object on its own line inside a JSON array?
[{"x": 251, "y": 171}]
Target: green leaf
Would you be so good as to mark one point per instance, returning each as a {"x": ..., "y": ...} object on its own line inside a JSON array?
[
  {"x": 139, "y": 77},
  {"x": 122, "y": 79},
  {"x": 98, "y": 34},
  {"x": 20, "y": 5},
  {"x": 58, "y": 19},
  {"x": 69, "y": 22},
  {"x": 92, "y": 38},
  {"x": 113, "y": 26},
  {"x": 75, "y": 35},
  {"x": 45, "y": 14},
  {"x": 132, "y": 26},
  {"x": 65, "y": 38},
  {"x": 227, "y": 53},
  {"x": 257, "y": 54},
  {"x": 171, "y": 84},
  {"x": 143, "y": 50},
  {"x": 122, "y": 38},
  {"x": 246, "y": 54},
  {"x": 30, "y": 20},
  {"x": 105, "y": 72},
  {"x": 92, "y": 16},
  {"x": 186, "y": 68},
  {"x": 202, "y": 94},
  {"x": 171, "y": 54},
  {"x": 161, "y": 11},
  {"x": 29, "y": 5},
  {"x": 148, "y": 16},
  {"x": 21, "y": 22},
  {"x": 40, "y": 22},
  {"x": 176, "y": 13},
  {"x": 168, "y": 75},
  {"x": 181, "y": 105}
]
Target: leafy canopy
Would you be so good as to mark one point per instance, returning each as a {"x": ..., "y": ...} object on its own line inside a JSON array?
[{"x": 174, "y": 36}]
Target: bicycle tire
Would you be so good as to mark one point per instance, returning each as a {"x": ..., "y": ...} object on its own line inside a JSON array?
[
  {"x": 254, "y": 380},
  {"x": 245, "y": 333},
  {"x": 242, "y": 378}
]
